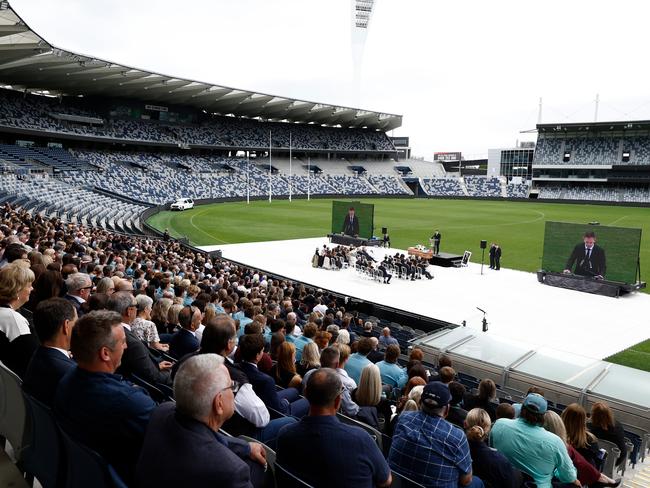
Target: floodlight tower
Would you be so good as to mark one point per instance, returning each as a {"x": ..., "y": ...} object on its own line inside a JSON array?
[{"x": 361, "y": 14}]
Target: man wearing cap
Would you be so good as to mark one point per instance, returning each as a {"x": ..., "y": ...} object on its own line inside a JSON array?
[
  {"x": 532, "y": 449},
  {"x": 429, "y": 450}
]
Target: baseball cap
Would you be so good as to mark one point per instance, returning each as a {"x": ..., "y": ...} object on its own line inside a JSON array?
[
  {"x": 535, "y": 403},
  {"x": 435, "y": 395}
]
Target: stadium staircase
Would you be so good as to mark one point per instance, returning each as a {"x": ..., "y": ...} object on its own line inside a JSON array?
[
  {"x": 403, "y": 184},
  {"x": 374, "y": 188},
  {"x": 504, "y": 187},
  {"x": 463, "y": 187}
]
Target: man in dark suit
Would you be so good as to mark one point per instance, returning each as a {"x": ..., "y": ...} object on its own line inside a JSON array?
[
  {"x": 53, "y": 320},
  {"x": 78, "y": 286},
  {"x": 97, "y": 407},
  {"x": 287, "y": 401},
  {"x": 351, "y": 224},
  {"x": 491, "y": 253},
  {"x": 589, "y": 258},
  {"x": 184, "y": 341},
  {"x": 497, "y": 257},
  {"x": 436, "y": 241},
  {"x": 137, "y": 359},
  {"x": 183, "y": 445}
]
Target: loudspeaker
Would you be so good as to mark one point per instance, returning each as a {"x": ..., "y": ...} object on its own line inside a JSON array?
[
  {"x": 384, "y": 230},
  {"x": 483, "y": 244}
]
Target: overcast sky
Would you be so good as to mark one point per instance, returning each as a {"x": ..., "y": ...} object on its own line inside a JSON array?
[{"x": 466, "y": 76}]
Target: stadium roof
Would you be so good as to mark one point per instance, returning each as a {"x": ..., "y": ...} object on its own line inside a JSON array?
[
  {"x": 29, "y": 62},
  {"x": 621, "y": 125}
]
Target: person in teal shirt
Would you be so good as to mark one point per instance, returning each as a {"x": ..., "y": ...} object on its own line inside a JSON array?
[
  {"x": 532, "y": 449},
  {"x": 391, "y": 373},
  {"x": 358, "y": 360}
]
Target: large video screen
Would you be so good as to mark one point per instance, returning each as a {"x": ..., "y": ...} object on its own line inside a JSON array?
[
  {"x": 592, "y": 250},
  {"x": 353, "y": 218}
]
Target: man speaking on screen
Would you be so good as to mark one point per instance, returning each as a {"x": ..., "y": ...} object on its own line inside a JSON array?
[
  {"x": 351, "y": 224},
  {"x": 589, "y": 259}
]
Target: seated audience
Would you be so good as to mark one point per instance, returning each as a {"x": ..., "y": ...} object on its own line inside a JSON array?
[
  {"x": 94, "y": 405},
  {"x": 532, "y": 389},
  {"x": 17, "y": 343},
  {"x": 429, "y": 450},
  {"x": 136, "y": 359},
  {"x": 251, "y": 416},
  {"x": 324, "y": 452},
  {"x": 583, "y": 441},
  {"x": 587, "y": 473},
  {"x": 386, "y": 339},
  {"x": 183, "y": 443},
  {"x": 375, "y": 355},
  {"x": 446, "y": 375},
  {"x": 184, "y": 341},
  {"x": 603, "y": 425},
  {"x": 310, "y": 359},
  {"x": 505, "y": 411},
  {"x": 490, "y": 465},
  {"x": 53, "y": 320},
  {"x": 392, "y": 374},
  {"x": 368, "y": 394},
  {"x": 284, "y": 371},
  {"x": 287, "y": 401},
  {"x": 78, "y": 286},
  {"x": 143, "y": 327},
  {"x": 457, "y": 413},
  {"x": 359, "y": 359},
  {"x": 532, "y": 449},
  {"x": 485, "y": 399}
]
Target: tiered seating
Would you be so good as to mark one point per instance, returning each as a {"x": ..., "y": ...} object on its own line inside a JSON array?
[
  {"x": 54, "y": 198},
  {"x": 517, "y": 190},
  {"x": 57, "y": 158},
  {"x": 548, "y": 151},
  {"x": 478, "y": 186},
  {"x": 596, "y": 150},
  {"x": 596, "y": 192},
  {"x": 388, "y": 185},
  {"x": 34, "y": 112},
  {"x": 351, "y": 185},
  {"x": 443, "y": 187}
]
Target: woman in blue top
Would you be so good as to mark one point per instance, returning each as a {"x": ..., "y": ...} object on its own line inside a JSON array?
[{"x": 488, "y": 464}]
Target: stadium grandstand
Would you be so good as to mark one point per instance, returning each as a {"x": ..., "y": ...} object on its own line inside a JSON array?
[{"x": 89, "y": 147}]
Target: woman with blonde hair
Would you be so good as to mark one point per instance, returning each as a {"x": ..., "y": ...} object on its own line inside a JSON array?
[
  {"x": 17, "y": 343},
  {"x": 284, "y": 371},
  {"x": 343, "y": 337},
  {"x": 172, "y": 316},
  {"x": 160, "y": 314},
  {"x": 588, "y": 475},
  {"x": 105, "y": 285},
  {"x": 413, "y": 402},
  {"x": 368, "y": 393},
  {"x": 488, "y": 464},
  {"x": 577, "y": 435},
  {"x": 310, "y": 359}
]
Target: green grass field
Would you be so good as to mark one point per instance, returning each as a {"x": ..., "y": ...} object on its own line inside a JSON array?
[
  {"x": 635, "y": 357},
  {"x": 517, "y": 226}
]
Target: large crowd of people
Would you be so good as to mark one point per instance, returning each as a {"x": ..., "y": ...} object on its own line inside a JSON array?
[{"x": 87, "y": 315}]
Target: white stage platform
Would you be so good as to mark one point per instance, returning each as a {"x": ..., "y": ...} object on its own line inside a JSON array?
[{"x": 517, "y": 305}]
